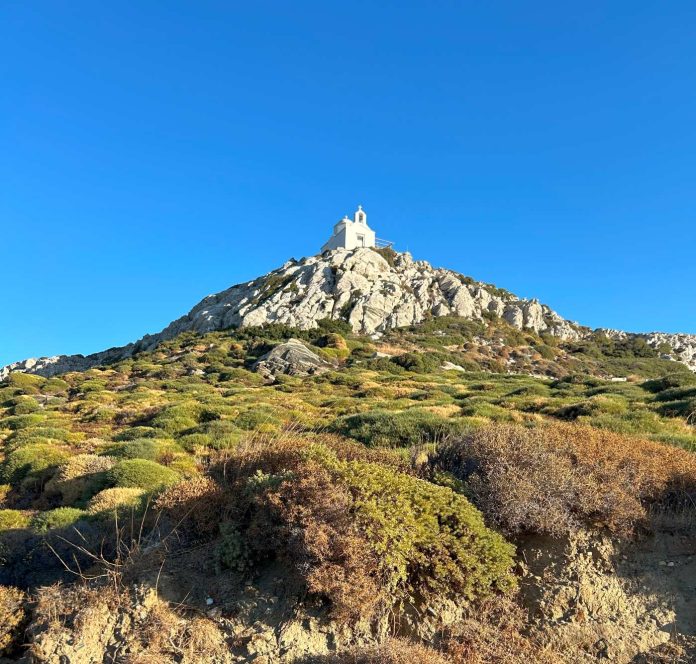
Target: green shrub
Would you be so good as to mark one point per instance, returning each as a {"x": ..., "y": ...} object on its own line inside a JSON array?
[
  {"x": 330, "y": 325},
  {"x": 17, "y": 422},
  {"x": 254, "y": 420},
  {"x": 232, "y": 551},
  {"x": 679, "y": 408},
  {"x": 13, "y": 520},
  {"x": 419, "y": 362},
  {"x": 61, "y": 517},
  {"x": 193, "y": 441},
  {"x": 428, "y": 537},
  {"x": 36, "y": 460},
  {"x": 28, "y": 383},
  {"x": 396, "y": 429},
  {"x": 23, "y": 437},
  {"x": 92, "y": 385},
  {"x": 138, "y": 432},
  {"x": 24, "y": 406},
  {"x": 669, "y": 382},
  {"x": 369, "y": 538},
  {"x": 142, "y": 474},
  {"x": 55, "y": 386},
  {"x": 152, "y": 449},
  {"x": 479, "y": 408},
  {"x": 676, "y": 393}
]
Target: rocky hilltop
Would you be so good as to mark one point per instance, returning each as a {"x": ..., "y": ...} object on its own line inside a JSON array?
[{"x": 372, "y": 290}]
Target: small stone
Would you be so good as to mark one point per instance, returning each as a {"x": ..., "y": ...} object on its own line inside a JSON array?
[{"x": 209, "y": 601}]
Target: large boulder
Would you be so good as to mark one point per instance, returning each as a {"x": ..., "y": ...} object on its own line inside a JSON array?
[{"x": 291, "y": 358}]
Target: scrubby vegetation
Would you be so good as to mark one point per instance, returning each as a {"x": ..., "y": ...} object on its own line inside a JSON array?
[
  {"x": 366, "y": 535},
  {"x": 386, "y": 489},
  {"x": 557, "y": 477}
]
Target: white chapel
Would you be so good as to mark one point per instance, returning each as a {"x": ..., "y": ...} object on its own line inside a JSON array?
[{"x": 349, "y": 234}]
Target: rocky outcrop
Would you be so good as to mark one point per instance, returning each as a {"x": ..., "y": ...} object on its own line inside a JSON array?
[
  {"x": 371, "y": 291},
  {"x": 291, "y": 358},
  {"x": 362, "y": 287},
  {"x": 58, "y": 364},
  {"x": 676, "y": 347},
  {"x": 683, "y": 346}
]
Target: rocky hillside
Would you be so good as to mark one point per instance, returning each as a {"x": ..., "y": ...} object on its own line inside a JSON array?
[
  {"x": 374, "y": 291},
  {"x": 458, "y": 491}
]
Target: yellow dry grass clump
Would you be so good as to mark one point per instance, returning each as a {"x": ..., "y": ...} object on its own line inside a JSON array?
[{"x": 108, "y": 500}]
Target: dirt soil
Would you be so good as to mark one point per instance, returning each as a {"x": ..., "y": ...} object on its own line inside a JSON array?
[{"x": 597, "y": 599}]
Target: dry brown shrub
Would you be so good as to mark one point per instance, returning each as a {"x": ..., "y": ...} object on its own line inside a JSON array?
[
  {"x": 322, "y": 538},
  {"x": 307, "y": 521},
  {"x": 202, "y": 641},
  {"x": 166, "y": 635},
  {"x": 12, "y": 615},
  {"x": 198, "y": 501},
  {"x": 554, "y": 477},
  {"x": 285, "y": 451}
]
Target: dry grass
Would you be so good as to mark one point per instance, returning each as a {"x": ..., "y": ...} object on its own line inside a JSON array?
[
  {"x": 78, "y": 622},
  {"x": 392, "y": 651},
  {"x": 108, "y": 500},
  {"x": 555, "y": 477},
  {"x": 12, "y": 615}
]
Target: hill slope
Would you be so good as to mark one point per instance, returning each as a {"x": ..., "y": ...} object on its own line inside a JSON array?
[{"x": 374, "y": 291}]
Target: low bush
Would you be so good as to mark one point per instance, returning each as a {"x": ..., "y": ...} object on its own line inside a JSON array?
[
  {"x": 37, "y": 435},
  {"x": 141, "y": 474},
  {"x": 671, "y": 381},
  {"x": 28, "y": 383},
  {"x": 115, "y": 499},
  {"x": 37, "y": 460},
  {"x": 258, "y": 419},
  {"x": 555, "y": 477},
  {"x": 193, "y": 442},
  {"x": 138, "y": 432},
  {"x": 369, "y": 538},
  {"x": 152, "y": 449},
  {"x": 679, "y": 408},
  {"x": 396, "y": 429},
  {"x": 17, "y": 422},
  {"x": 196, "y": 502},
  {"x": 13, "y": 520},
  {"x": 80, "y": 477},
  {"x": 61, "y": 517},
  {"x": 24, "y": 405}
]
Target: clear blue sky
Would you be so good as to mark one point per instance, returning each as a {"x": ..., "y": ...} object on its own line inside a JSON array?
[{"x": 152, "y": 153}]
